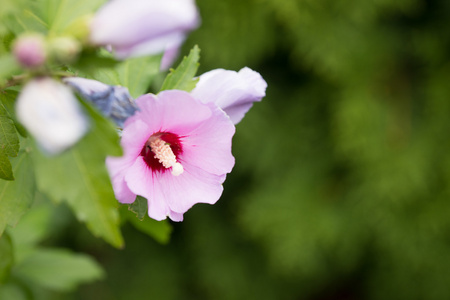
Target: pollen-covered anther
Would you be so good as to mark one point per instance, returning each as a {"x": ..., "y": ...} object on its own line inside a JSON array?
[{"x": 165, "y": 155}]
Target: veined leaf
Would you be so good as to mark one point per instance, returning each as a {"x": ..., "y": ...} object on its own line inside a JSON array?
[
  {"x": 16, "y": 196},
  {"x": 58, "y": 269},
  {"x": 79, "y": 177},
  {"x": 134, "y": 73},
  {"x": 9, "y": 141},
  {"x": 182, "y": 78},
  {"x": 61, "y": 14},
  {"x": 8, "y": 98},
  {"x": 139, "y": 207}
]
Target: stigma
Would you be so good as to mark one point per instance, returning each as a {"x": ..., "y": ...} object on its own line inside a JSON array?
[{"x": 164, "y": 154}]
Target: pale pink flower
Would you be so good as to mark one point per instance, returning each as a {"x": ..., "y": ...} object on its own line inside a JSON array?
[
  {"x": 234, "y": 92},
  {"x": 143, "y": 27},
  {"x": 177, "y": 152},
  {"x": 51, "y": 113}
]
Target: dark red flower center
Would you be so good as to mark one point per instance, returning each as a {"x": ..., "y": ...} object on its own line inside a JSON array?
[{"x": 150, "y": 155}]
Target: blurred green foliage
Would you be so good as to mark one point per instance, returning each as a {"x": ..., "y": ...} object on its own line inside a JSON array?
[{"x": 341, "y": 184}]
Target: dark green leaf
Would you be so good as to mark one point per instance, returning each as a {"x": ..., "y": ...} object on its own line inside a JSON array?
[
  {"x": 90, "y": 61},
  {"x": 9, "y": 141},
  {"x": 58, "y": 269},
  {"x": 137, "y": 216},
  {"x": 159, "y": 230},
  {"x": 139, "y": 207},
  {"x": 182, "y": 78},
  {"x": 79, "y": 177},
  {"x": 17, "y": 196},
  {"x": 6, "y": 256},
  {"x": 6, "y": 172},
  {"x": 8, "y": 98}
]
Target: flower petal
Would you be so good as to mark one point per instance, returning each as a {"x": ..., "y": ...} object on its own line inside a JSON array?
[
  {"x": 208, "y": 145},
  {"x": 142, "y": 181},
  {"x": 174, "y": 111},
  {"x": 143, "y": 26},
  {"x": 232, "y": 91},
  {"x": 193, "y": 186},
  {"x": 51, "y": 113}
]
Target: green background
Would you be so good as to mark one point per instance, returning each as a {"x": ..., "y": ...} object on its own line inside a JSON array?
[{"x": 341, "y": 184}]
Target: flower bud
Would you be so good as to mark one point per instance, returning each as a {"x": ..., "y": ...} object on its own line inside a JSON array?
[
  {"x": 51, "y": 113},
  {"x": 30, "y": 50},
  {"x": 64, "y": 49},
  {"x": 114, "y": 102}
]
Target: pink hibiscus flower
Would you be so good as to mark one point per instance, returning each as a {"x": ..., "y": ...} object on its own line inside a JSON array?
[{"x": 177, "y": 152}]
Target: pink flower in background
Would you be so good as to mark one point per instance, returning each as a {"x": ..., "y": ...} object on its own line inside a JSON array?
[
  {"x": 30, "y": 51},
  {"x": 142, "y": 27},
  {"x": 177, "y": 152},
  {"x": 232, "y": 91}
]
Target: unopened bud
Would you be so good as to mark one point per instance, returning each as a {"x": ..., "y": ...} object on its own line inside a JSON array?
[
  {"x": 64, "y": 49},
  {"x": 30, "y": 50}
]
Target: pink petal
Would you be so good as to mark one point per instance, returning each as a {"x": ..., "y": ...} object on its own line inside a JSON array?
[
  {"x": 193, "y": 186},
  {"x": 232, "y": 91},
  {"x": 137, "y": 27},
  {"x": 172, "y": 111},
  {"x": 142, "y": 181},
  {"x": 208, "y": 146}
]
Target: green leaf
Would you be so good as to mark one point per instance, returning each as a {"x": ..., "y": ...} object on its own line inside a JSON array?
[
  {"x": 159, "y": 230},
  {"x": 15, "y": 291},
  {"x": 8, "y": 98},
  {"x": 61, "y": 14},
  {"x": 137, "y": 216},
  {"x": 139, "y": 207},
  {"x": 182, "y": 78},
  {"x": 59, "y": 269},
  {"x": 9, "y": 140},
  {"x": 17, "y": 196},
  {"x": 8, "y": 67},
  {"x": 134, "y": 73},
  {"x": 6, "y": 171},
  {"x": 32, "y": 228},
  {"x": 79, "y": 177},
  {"x": 6, "y": 256}
]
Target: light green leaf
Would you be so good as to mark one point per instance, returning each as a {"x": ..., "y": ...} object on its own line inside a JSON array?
[
  {"x": 6, "y": 256},
  {"x": 31, "y": 229},
  {"x": 59, "y": 269},
  {"x": 134, "y": 73},
  {"x": 16, "y": 196},
  {"x": 79, "y": 177},
  {"x": 182, "y": 78},
  {"x": 8, "y": 67},
  {"x": 61, "y": 14},
  {"x": 13, "y": 291}
]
